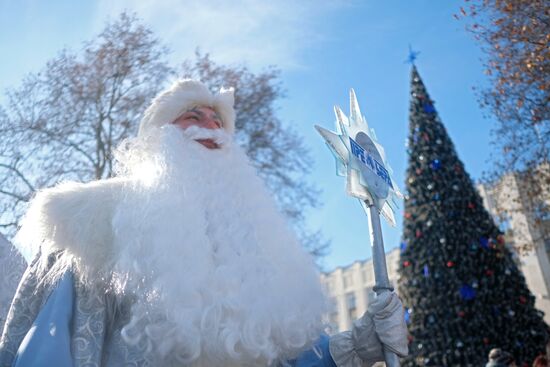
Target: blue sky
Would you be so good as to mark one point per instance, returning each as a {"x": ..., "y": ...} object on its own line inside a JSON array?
[{"x": 323, "y": 48}]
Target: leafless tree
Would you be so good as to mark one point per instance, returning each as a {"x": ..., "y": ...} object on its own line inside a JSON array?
[
  {"x": 515, "y": 38},
  {"x": 64, "y": 122}
]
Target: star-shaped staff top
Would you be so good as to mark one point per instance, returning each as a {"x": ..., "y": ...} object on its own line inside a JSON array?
[{"x": 362, "y": 160}]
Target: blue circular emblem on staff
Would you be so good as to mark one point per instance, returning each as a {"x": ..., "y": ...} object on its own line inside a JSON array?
[{"x": 372, "y": 169}]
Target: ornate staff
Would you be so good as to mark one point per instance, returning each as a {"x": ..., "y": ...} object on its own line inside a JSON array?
[{"x": 362, "y": 161}]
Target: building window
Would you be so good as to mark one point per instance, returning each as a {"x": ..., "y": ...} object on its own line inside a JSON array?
[
  {"x": 333, "y": 323},
  {"x": 348, "y": 281},
  {"x": 350, "y": 300},
  {"x": 328, "y": 286},
  {"x": 365, "y": 276},
  {"x": 351, "y": 305},
  {"x": 333, "y": 305},
  {"x": 505, "y": 226}
]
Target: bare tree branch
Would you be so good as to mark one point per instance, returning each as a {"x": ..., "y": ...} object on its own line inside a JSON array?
[
  {"x": 67, "y": 119},
  {"x": 515, "y": 37},
  {"x": 18, "y": 173}
]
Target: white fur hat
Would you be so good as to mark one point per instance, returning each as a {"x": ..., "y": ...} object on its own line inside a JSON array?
[{"x": 183, "y": 95}]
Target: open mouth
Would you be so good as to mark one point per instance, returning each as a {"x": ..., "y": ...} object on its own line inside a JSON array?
[
  {"x": 209, "y": 138},
  {"x": 209, "y": 143}
]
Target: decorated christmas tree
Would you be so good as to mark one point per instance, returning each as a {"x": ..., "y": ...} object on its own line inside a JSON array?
[{"x": 461, "y": 287}]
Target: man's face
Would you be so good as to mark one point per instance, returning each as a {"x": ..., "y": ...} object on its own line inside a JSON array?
[{"x": 201, "y": 116}]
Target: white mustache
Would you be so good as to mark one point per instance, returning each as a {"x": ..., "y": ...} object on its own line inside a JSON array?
[{"x": 219, "y": 136}]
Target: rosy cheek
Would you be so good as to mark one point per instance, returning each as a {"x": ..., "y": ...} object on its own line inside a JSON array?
[{"x": 184, "y": 124}]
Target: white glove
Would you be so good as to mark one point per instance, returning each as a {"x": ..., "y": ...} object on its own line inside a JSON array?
[{"x": 382, "y": 324}]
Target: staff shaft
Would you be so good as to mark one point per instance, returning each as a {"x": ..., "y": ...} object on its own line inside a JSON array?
[{"x": 381, "y": 280}]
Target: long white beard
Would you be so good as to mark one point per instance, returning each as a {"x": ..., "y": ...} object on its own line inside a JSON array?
[{"x": 218, "y": 276}]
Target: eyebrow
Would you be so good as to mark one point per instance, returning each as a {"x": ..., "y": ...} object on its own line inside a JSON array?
[{"x": 199, "y": 112}]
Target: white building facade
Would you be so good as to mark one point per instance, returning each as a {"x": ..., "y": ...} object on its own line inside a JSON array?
[
  {"x": 350, "y": 287},
  {"x": 508, "y": 203}
]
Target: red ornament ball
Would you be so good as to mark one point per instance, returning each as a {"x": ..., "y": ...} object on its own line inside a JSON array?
[
  {"x": 486, "y": 340},
  {"x": 406, "y": 263},
  {"x": 418, "y": 233},
  {"x": 489, "y": 272},
  {"x": 471, "y": 205},
  {"x": 522, "y": 299},
  {"x": 461, "y": 313},
  {"x": 450, "y": 264}
]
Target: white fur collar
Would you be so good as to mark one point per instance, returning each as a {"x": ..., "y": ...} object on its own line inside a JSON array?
[{"x": 74, "y": 217}]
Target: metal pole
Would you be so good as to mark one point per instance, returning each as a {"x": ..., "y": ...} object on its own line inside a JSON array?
[{"x": 381, "y": 280}]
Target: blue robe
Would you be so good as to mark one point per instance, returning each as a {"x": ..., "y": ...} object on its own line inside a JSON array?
[{"x": 66, "y": 325}]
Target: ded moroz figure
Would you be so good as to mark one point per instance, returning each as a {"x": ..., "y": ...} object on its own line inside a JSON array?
[{"x": 182, "y": 259}]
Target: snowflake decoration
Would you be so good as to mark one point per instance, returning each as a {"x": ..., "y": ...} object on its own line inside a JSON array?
[{"x": 361, "y": 159}]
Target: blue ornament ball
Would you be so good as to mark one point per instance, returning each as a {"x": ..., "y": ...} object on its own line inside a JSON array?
[
  {"x": 408, "y": 315},
  {"x": 428, "y": 107},
  {"x": 467, "y": 292},
  {"x": 426, "y": 271},
  {"x": 436, "y": 164},
  {"x": 484, "y": 242}
]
